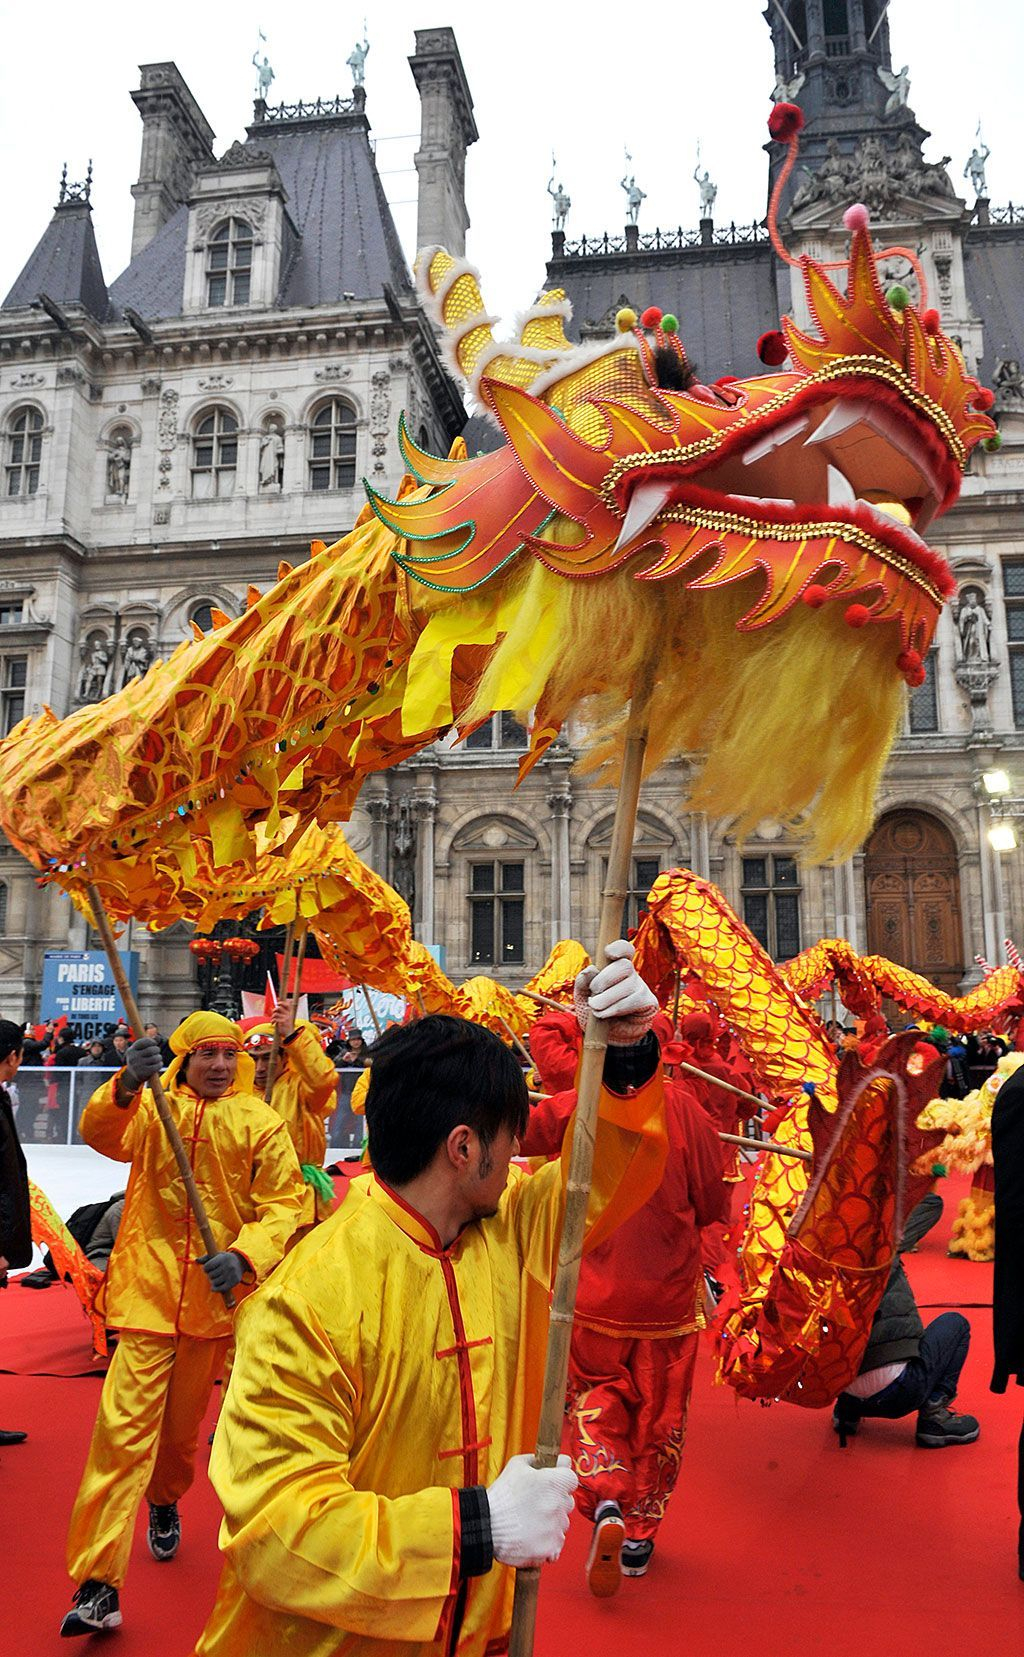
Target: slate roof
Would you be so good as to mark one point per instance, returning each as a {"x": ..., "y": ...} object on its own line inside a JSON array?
[
  {"x": 994, "y": 272},
  {"x": 724, "y": 297},
  {"x": 347, "y": 242},
  {"x": 65, "y": 265}
]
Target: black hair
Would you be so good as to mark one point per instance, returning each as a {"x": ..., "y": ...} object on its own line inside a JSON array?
[
  {"x": 427, "y": 1078},
  {"x": 12, "y": 1038},
  {"x": 672, "y": 372}
]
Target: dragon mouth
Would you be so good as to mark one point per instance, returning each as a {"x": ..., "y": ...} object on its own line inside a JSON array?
[{"x": 825, "y": 461}]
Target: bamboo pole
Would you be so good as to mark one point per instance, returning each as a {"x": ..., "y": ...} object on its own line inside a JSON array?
[
  {"x": 286, "y": 972},
  {"x": 513, "y": 1038},
  {"x": 581, "y": 1162},
  {"x": 766, "y": 1145},
  {"x": 546, "y": 1001},
  {"x": 101, "y": 922},
  {"x": 422, "y": 1003},
  {"x": 371, "y": 1009},
  {"x": 706, "y": 1076}
]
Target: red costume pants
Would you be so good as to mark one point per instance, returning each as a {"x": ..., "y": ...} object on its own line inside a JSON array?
[{"x": 628, "y": 1422}]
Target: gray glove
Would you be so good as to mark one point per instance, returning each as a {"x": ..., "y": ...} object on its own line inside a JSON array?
[
  {"x": 225, "y": 1270},
  {"x": 142, "y": 1061}
]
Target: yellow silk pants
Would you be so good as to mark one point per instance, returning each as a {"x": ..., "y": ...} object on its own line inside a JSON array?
[{"x": 144, "y": 1442}]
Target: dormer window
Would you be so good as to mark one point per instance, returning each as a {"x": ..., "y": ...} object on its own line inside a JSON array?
[{"x": 229, "y": 264}]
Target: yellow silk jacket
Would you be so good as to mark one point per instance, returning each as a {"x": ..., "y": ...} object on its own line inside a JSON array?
[
  {"x": 304, "y": 1096},
  {"x": 376, "y": 1374},
  {"x": 248, "y": 1176}
]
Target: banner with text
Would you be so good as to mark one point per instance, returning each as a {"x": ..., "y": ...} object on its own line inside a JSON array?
[{"x": 79, "y": 984}]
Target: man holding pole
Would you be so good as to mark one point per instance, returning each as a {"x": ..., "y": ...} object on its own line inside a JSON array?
[
  {"x": 370, "y": 1455},
  {"x": 164, "y": 1293},
  {"x": 304, "y": 1093}
]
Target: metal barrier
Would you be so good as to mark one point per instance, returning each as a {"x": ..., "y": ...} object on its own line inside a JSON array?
[{"x": 48, "y": 1102}]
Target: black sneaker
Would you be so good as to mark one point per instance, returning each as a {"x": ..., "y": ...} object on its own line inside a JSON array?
[
  {"x": 636, "y": 1556},
  {"x": 604, "y": 1571},
  {"x": 937, "y": 1426},
  {"x": 96, "y": 1609},
  {"x": 164, "y": 1534}
]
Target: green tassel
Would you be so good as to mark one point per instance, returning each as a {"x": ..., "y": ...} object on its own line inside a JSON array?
[{"x": 319, "y": 1179}]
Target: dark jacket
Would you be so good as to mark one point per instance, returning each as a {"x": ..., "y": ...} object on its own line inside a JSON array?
[
  {"x": 1008, "y": 1275},
  {"x": 896, "y": 1332},
  {"x": 15, "y": 1212}
]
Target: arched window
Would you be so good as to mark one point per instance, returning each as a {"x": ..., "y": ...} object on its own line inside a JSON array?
[
  {"x": 214, "y": 454},
  {"x": 332, "y": 454},
  {"x": 202, "y": 615},
  {"x": 24, "y": 451},
  {"x": 229, "y": 264}
]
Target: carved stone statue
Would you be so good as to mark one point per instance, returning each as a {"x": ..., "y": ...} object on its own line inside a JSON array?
[
  {"x": 356, "y": 61},
  {"x": 1008, "y": 382},
  {"x": 403, "y": 862},
  {"x": 96, "y": 662},
  {"x": 787, "y": 92},
  {"x": 898, "y": 87},
  {"x": 264, "y": 75},
  {"x": 136, "y": 656},
  {"x": 708, "y": 192},
  {"x": 973, "y": 627},
  {"x": 272, "y": 458},
  {"x": 634, "y": 196},
  {"x": 119, "y": 466},
  {"x": 976, "y": 168},
  {"x": 560, "y": 203}
]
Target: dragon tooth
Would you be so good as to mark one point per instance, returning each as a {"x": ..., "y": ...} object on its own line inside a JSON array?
[
  {"x": 775, "y": 439},
  {"x": 840, "y": 490},
  {"x": 838, "y": 419},
  {"x": 646, "y": 501}
]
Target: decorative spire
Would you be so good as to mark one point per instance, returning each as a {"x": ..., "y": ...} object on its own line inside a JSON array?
[{"x": 71, "y": 194}]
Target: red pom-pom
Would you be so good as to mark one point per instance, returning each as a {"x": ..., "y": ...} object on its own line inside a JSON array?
[
  {"x": 857, "y": 615},
  {"x": 983, "y": 399},
  {"x": 856, "y": 217},
  {"x": 917, "y": 677},
  {"x": 814, "y": 596},
  {"x": 908, "y": 661},
  {"x": 651, "y": 318},
  {"x": 785, "y": 121},
  {"x": 931, "y": 322},
  {"x": 772, "y": 348}
]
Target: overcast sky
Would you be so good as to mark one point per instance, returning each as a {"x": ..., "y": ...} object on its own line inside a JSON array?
[{"x": 572, "y": 80}]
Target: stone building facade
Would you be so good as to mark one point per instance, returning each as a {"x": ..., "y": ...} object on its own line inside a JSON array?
[{"x": 167, "y": 440}]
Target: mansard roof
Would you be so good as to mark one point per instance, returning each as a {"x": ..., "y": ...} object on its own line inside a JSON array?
[
  {"x": 65, "y": 265},
  {"x": 347, "y": 244},
  {"x": 724, "y": 294}
]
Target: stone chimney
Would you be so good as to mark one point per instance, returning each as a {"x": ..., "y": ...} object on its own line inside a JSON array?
[
  {"x": 447, "y": 129},
  {"x": 176, "y": 138}
]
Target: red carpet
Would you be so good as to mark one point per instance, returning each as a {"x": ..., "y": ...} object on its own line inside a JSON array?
[
  {"x": 778, "y": 1544},
  {"x": 45, "y": 1332}
]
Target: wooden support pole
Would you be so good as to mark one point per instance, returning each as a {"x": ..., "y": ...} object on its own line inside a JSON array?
[
  {"x": 706, "y": 1076},
  {"x": 513, "y": 1038},
  {"x": 101, "y": 922},
  {"x": 581, "y": 1161},
  {"x": 286, "y": 972},
  {"x": 546, "y": 1001},
  {"x": 765, "y": 1145},
  {"x": 371, "y": 1009}
]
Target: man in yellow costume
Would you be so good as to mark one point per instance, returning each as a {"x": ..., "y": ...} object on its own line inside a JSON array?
[
  {"x": 164, "y": 1294},
  {"x": 305, "y": 1095},
  {"x": 372, "y": 1452}
]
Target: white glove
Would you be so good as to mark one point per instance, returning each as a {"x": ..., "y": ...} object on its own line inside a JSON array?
[
  {"x": 617, "y": 993},
  {"x": 530, "y": 1508}
]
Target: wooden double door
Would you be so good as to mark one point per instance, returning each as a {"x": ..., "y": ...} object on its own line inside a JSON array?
[{"x": 912, "y": 877}]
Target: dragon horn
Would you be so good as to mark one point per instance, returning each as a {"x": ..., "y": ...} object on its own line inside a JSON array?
[{"x": 450, "y": 289}]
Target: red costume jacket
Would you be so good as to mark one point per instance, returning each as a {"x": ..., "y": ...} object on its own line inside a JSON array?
[
  {"x": 644, "y": 1280},
  {"x": 555, "y": 1042}
]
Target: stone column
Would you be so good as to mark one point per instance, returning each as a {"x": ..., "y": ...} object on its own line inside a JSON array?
[
  {"x": 700, "y": 846},
  {"x": 846, "y": 902},
  {"x": 560, "y": 807},
  {"x": 992, "y": 900},
  {"x": 425, "y": 807},
  {"x": 379, "y": 808}
]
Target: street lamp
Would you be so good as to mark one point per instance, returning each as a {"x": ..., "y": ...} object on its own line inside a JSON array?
[
  {"x": 996, "y": 782},
  {"x": 1002, "y": 837}
]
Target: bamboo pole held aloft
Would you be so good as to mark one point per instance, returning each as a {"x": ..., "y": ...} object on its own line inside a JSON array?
[
  {"x": 765, "y": 1145},
  {"x": 101, "y": 922},
  {"x": 581, "y": 1161},
  {"x": 286, "y": 972},
  {"x": 371, "y": 1009},
  {"x": 513, "y": 1038}
]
